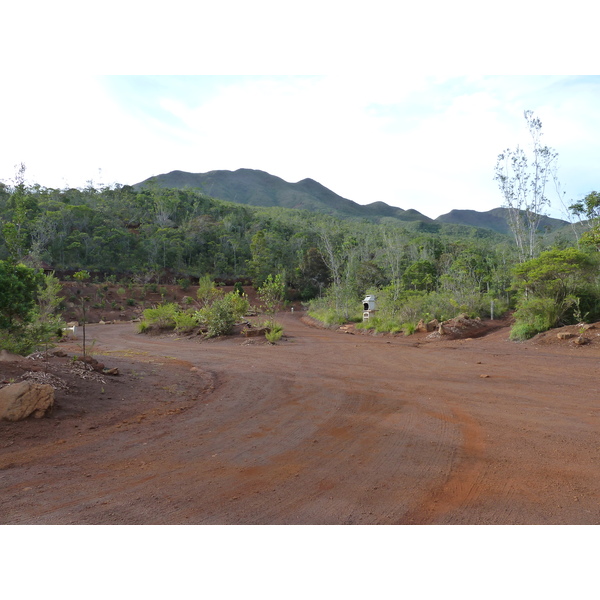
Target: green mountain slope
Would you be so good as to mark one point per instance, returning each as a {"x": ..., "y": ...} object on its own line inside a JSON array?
[
  {"x": 258, "y": 188},
  {"x": 495, "y": 219}
]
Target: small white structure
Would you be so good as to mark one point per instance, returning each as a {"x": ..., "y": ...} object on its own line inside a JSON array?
[{"x": 369, "y": 307}]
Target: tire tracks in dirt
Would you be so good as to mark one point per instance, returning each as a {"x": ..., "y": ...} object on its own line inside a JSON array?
[{"x": 461, "y": 485}]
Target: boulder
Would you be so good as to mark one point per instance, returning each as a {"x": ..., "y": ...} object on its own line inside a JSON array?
[
  {"x": 20, "y": 400},
  {"x": 565, "y": 335},
  {"x": 6, "y": 356},
  {"x": 432, "y": 325}
]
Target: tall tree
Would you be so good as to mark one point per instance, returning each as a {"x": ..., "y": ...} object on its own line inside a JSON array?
[
  {"x": 588, "y": 213},
  {"x": 522, "y": 178}
]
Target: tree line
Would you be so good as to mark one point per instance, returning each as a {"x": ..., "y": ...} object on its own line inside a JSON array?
[{"x": 418, "y": 270}]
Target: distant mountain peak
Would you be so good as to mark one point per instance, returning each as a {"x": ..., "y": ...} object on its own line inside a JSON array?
[{"x": 259, "y": 188}]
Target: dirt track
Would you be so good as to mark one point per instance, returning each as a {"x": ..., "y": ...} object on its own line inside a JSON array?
[{"x": 324, "y": 427}]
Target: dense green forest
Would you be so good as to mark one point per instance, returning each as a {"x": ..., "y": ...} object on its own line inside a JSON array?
[{"x": 418, "y": 270}]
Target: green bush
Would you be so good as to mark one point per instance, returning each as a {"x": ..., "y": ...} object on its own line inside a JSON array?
[
  {"x": 221, "y": 315},
  {"x": 162, "y": 317},
  {"x": 16, "y": 343},
  {"x": 272, "y": 292},
  {"x": 407, "y": 308},
  {"x": 327, "y": 316},
  {"x": 381, "y": 324},
  {"x": 274, "y": 331},
  {"x": 207, "y": 291},
  {"x": 185, "y": 321},
  {"x": 535, "y": 315},
  {"x": 143, "y": 326},
  {"x": 409, "y": 328}
]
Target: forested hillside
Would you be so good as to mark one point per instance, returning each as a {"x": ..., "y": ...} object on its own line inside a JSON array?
[
  {"x": 154, "y": 231},
  {"x": 258, "y": 188},
  {"x": 419, "y": 270}
]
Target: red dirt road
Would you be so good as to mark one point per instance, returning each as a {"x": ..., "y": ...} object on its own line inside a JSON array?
[{"x": 322, "y": 428}]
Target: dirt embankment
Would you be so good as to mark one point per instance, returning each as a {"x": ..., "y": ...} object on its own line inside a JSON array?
[{"x": 323, "y": 427}]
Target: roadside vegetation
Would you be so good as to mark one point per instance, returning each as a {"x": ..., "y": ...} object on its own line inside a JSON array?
[{"x": 417, "y": 270}]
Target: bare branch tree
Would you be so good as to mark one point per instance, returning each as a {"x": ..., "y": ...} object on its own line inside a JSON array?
[{"x": 522, "y": 179}]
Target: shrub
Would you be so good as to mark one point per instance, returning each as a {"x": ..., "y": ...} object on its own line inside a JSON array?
[
  {"x": 163, "y": 316},
  {"x": 535, "y": 315},
  {"x": 143, "y": 326},
  {"x": 327, "y": 316},
  {"x": 323, "y": 310},
  {"x": 185, "y": 321},
  {"x": 271, "y": 292},
  {"x": 207, "y": 292},
  {"x": 381, "y": 324},
  {"x": 274, "y": 331},
  {"x": 222, "y": 314},
  {"x": 409, "y": 328},
  {"x": 239, "y": 304}
]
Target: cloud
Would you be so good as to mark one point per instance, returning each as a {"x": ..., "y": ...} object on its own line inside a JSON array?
[{"x": 413, "y": 141}]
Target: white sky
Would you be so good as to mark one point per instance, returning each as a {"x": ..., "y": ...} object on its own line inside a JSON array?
[{"x": 394, "y": 131}]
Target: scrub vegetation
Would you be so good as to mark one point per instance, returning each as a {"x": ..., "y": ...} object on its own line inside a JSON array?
[{"x": 416, "y": 269}]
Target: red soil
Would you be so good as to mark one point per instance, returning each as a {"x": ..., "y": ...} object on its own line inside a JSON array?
[{"x": 323, "y": 427}]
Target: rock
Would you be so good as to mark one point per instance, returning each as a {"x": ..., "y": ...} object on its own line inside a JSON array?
[
  {"x": 20, "y": 400},
  {"x": 485, "y": 376},
  {"x": 433, "y": 325},
  {"x": 6, "y": 356},
  {"x": 255, "y": 331},
  {"x": 580, "y": 340},
  {"x": 427, "y": 327},
  {"x": 90, "y": 360},
  {"x": 113, "y": 371},
  {"x": 564, "y": 335}
]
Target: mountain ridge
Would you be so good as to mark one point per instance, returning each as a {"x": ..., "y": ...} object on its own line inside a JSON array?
[{"x": 259, "y": 188}]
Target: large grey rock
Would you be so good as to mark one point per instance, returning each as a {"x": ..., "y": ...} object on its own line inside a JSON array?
[{"x": 20, "y": 400}]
